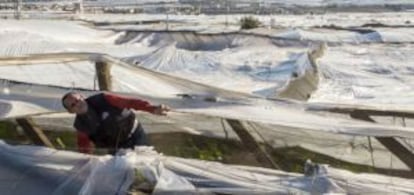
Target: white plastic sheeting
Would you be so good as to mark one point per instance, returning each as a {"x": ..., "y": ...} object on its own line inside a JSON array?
[
  {"x": 381, "y": 73},
  {"x": 285, "y": 119},
  {"x": 212, "y": 102},
  {"x": 21, "y": 37},
  {"x": 288, "y": 124},
  {"x": 358, "y": 75},
  {"x": 391, "y": 35},
  {"x": 39, "y": 170},
  {"x": 367, "y": 75}
]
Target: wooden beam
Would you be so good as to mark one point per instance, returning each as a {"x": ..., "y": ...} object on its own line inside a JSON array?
[
  {"x": 103, "y": 73},
  {"x": 370, "y": 111},
  {"x": 252, "y": 145},
  {"x": 392, "y": 144},
  {"x": 34, "y": 133}
]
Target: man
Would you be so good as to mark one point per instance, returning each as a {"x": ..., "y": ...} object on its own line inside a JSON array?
[{"x": 108, "y": 121}]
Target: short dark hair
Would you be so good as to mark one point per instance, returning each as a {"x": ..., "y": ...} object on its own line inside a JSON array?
[{"x": 66, "y": 96}]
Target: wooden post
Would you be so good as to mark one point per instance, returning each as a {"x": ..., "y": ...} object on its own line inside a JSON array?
[
  {"x": 251, "y": 144},
  {"x": 81, "y": 7},
  {"x": 103, "y": 72},
  {"x": 390, "y": 143},
  {"x": 18, "y": 9},
  {"x": 34, "y": 133}
]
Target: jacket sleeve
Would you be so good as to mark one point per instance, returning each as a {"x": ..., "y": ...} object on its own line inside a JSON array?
[
  {"x": 84, "y": 144},
  {"x": 127, "y": 102}
]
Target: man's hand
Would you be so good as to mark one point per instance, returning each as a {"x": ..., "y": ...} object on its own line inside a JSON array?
[{"x": 161, "y": 110}]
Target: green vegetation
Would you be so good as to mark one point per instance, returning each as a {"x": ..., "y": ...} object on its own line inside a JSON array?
[
  {"x": 293, "y": 159},
  {"x": 10, "y": 134},
  {"x": 6, "y": 130},
  {"x": 65, "y": 140},
  {"x": 249, "y": 22},
  {"x": 200, "y": 147}
]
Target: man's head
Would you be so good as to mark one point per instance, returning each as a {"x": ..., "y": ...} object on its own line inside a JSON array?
[{"x": 74, "y": 103}]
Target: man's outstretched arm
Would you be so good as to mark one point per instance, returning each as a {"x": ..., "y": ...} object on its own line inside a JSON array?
[{"x": 134, "y": 103}]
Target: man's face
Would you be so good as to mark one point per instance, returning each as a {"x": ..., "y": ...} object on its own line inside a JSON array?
[{"x": 75, "y": 103}]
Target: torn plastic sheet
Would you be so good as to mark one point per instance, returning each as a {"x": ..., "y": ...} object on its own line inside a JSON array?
[{"x": 40, "y": 170}]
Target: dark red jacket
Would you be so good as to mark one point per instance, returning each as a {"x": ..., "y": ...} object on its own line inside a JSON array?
[{"x": 121, "y": 102}]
